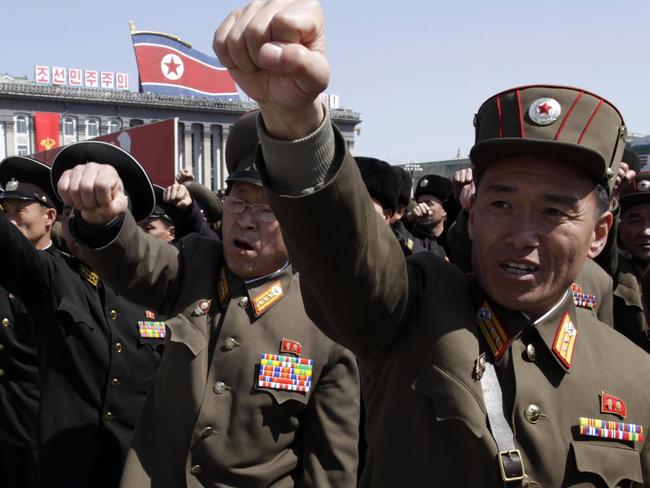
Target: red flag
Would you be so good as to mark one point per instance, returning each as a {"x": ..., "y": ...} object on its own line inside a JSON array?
[{"x": 46, "y": 128}]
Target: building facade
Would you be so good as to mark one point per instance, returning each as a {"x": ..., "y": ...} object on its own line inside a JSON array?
[{"x": 203, "y": 124}]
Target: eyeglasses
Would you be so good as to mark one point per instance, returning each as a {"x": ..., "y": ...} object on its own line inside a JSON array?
[{"x": 260, "y": 211}]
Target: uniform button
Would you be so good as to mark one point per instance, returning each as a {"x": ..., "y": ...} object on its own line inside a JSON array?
[
  {"x": 6, "y": 322},
  {"x": 112, "y": 313},
  {"x": 532, "y": 413},
  {"x": 118, "y": 347},
  {"x": 229, "y": 343},
  {"x": 2, "y": 347},
  {"x": 243, "y": 303},
  {"x": 196, "y": 469},
  {"x": 219, "y": 387},
  {"x": 108, "y": 416},
  {"x": 530, "y": 352},
  {"x": 115, "y": 382},
  {"x": 2, "y": 372}
]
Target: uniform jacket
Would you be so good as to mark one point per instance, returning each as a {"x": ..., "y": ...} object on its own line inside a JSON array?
[
  {"x": 19, "y": 374},
  {"x": 95, "y": 367},
  {"x": 407, "y": 242},
  {"x": 418, "y": 341},
  {"x": 207, "y": 421}
]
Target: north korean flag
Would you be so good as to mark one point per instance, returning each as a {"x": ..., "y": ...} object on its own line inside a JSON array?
[{"x": 169, "y": 66}]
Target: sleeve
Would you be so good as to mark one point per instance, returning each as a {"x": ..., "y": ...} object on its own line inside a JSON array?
[
  {"x": 331, "y": 431},
  {"x": 144, "y": 269},
  {"x": 189, "y": 221},
  {"x": 26, "y": 271},
  {"x": 606, "y": 306},
  {"x": 354, "y": 280},
  {"x": 459, "y": 243}
]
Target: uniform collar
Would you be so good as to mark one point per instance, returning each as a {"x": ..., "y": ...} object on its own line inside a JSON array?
[{"x": 558, "y": 328}]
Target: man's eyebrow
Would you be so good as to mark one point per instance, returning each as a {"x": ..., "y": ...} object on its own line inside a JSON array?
[
  {"x": 498, "y": 187},
  {"x": 563, "y": 199}
]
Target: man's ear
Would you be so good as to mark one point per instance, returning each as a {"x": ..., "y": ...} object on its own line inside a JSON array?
[
  {"x": 172, "y": 232},
  {"x": 599, "y": 237},
  {"x": 50, "y": 216}
]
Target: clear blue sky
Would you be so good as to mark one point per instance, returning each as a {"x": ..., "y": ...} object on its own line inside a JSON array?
[{"x": 415, "y": 70}]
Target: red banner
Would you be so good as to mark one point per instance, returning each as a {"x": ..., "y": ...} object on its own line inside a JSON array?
[
  {"x": 153, "y": 145},
  {"x": 46, "y": 128}
]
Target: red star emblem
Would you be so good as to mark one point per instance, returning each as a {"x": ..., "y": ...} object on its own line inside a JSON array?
[
  {"x": 172, "y": 67},
  {"x": 544, "y": 108}
]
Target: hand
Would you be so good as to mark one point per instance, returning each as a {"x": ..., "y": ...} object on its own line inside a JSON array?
[
  {"x": 461, "y": 178},
  {"x": 184, "y": 175},
  {"x": 96, "y": 190},
  {"x": 419, "y": 211},
  {"x": 275, "y": 51},
  {"x": 624, "y": 177},
  {"x": 178, "y": 196}
]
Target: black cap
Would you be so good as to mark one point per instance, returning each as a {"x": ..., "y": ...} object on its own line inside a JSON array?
[
  {"x": 135, "y": 179},
  {"x": 240, "y": 150},
  {"x": 635, "y": 192},
  {"x": 207, "y": 200},
  {"x": 632, "y": 159},
  {"x": 381, "y": 180},
  {"x": 407, "y": 184},
  {"x": 437, "y": 186},
  {"x": 25, "y": 178}
]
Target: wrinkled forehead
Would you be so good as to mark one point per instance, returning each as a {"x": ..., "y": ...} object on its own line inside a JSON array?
[{"x": 249, "y": 192}]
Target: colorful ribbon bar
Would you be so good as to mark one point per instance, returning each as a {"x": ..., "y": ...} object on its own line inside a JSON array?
[
  {"x": 287, "y": 359},
  {"x": 611, "y": 425},
  {"x": 611, "y": 434}
]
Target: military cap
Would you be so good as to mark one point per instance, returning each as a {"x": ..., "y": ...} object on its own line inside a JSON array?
[
  {"x": 240, "y": 150},
  {"x": 381, "y": 180},
  {"x": 635, "y": 192},
  {"x": 206, "y": 200},
  {"x": 135, "y": 179},
  {"x": 632, "y": 159},
  {"x": 407, "y": 184},
  {"x": 438, "y": 186},
  {"x": 161, "y": 208},
  {"x": 567, "y": 124},
  {"x": 25, "y": 178}
]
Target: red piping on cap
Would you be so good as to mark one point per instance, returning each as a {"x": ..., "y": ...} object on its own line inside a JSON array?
[
  {"x": 584, "y": 131},
  {"x": 500, "y": 117},
  {"x": 521, "y": 116},
  {"x": 568, "y": 114}
]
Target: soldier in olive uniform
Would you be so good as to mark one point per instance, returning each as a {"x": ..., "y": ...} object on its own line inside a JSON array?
[
  {"x": 97, "y": 352},
  {"x": 249, "y": 392},
  {"x": 495, "y": 381}
]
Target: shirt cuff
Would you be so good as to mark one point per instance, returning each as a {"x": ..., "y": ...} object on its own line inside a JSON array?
[
  {"x": 300, "y": 166},
  {"x": 95, "y": 236}
]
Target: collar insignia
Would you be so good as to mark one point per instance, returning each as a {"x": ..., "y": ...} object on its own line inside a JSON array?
[
  {"x": 565, "y": 340},
  {"x": 268, "y": 298},
  {"x": 495, "y": 334}
]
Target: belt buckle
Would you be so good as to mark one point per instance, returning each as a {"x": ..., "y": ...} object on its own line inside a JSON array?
[{"x": 510, "y": 477}]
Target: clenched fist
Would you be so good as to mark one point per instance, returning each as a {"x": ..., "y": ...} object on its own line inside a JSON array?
[
  {"x": 178, "y": 196},
  {"x": 275, "y": 51},
  {"x": 96, "y": 190}
]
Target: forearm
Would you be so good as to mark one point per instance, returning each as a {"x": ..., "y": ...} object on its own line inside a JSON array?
[
  {"x": 353, "y": 272},
  {"x": 142, "y": 268}
]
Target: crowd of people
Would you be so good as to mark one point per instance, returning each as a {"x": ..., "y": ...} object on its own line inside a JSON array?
[{"x": 325, "y": 321}]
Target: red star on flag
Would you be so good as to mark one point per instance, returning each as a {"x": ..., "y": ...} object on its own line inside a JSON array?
[
  {"x": 544, "y": 108},
  {"x": 172, "y": 67}
]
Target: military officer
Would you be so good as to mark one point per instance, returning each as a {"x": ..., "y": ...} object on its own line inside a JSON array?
[
  {"x": 33, "y": 212},
  {"x": 97, "y": 352},
  {"x": 490, "y": 382},
  {"x": 249, "y": 392}
]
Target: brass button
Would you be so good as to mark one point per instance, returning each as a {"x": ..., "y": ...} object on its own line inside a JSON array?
[
  {"x": 196, "y": 469},
  {"x": 532, "y": 413},
  {"x": 208, "y": 431},
  {"x": 112, "y": 313},
  {"x": 2, "y": 372},
  {"x": 219, "y": 387},
  {"x": 2, "y": 347},
  {"x": 530, "y": 352},
  {"x": 230, "y": 343},
  {"x": 118, "y": 347},
  {"x": 115, "y": 382},
  {"x": 243, "y": 302},
  {"x": 108, "y": 416},
  {"x": 6, "y": 322}
]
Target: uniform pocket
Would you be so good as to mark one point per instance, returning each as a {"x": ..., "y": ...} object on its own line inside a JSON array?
[
  {"x": 282, "y": 396},
  {"x": 71, "y": 314},
  {"x": 452, "y": 399},
  {"x": 612, "y": 463}
]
